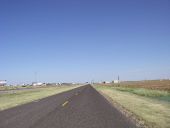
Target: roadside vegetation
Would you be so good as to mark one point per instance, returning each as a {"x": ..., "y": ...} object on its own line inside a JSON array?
[
  {"x": 14, "y": 98},
  {"x": 152, "y": 107},
  {"x": 3, "y": 88},
  {"x": 156, "y": 94}
]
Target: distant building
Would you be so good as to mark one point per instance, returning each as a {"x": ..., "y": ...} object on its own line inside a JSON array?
[
  {"x": 106, "y": 82},
  {"x": 3, "y": 82},
  {"x": 66, "y": 84},
  {"x": 52, "y": 84},
  {"x": 116, "y": 81},
  {"x": 37, "y": 84}
]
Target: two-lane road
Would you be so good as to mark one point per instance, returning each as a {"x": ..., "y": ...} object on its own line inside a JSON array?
[{"x": 82, "y": 107}]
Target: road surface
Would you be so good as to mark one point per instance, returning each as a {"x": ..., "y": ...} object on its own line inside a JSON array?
[{"x": 82, "y": 107}]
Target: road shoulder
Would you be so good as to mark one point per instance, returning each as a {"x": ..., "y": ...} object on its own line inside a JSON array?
[{"x": 134, "y": 118}]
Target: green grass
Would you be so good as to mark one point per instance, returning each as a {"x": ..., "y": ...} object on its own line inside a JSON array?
[
  {"x": 157, "y": 94},
  {"x": 155, "y": 113},
  {"x": 9, "y": 100},
  {"x": 144, "y": 92}
]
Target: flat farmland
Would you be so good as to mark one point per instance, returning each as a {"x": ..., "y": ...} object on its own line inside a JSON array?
[{"x": 149, "y": 84}]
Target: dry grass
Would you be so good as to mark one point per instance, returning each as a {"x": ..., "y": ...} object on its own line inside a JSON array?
[{"x": 155, "y": 113}]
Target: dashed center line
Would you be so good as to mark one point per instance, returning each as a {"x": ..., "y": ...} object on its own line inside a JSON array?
[{"x": 65, "y": 103}]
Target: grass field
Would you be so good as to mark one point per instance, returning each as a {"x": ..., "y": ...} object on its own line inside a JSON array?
[
  {"x": 150, "y": 93},
  {"x": 147, "y": 105},
  {"x": 148, "y": 84},
  {"x": 14, "y": 98},
  {"x": 3, "y": 88}
]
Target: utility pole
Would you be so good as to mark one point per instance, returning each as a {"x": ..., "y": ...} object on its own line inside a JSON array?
[
  {"x": 92, "y": 82},
  {"x": 118, "y": 78},
  {"x": 36, "y": 77}
]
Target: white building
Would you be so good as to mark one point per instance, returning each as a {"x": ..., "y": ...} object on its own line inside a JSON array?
[
  {"x": 116, "y": 81},
  {"x": 3, "y": 82},
  {"x": 107, "y": 82},
  {"x": 37, "y": 84}
]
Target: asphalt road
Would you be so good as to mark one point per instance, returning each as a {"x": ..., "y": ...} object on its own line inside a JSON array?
[{"x": 82, "y": 107}]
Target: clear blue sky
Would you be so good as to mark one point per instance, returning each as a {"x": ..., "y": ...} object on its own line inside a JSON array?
[{"x": 81, "y": 40}]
